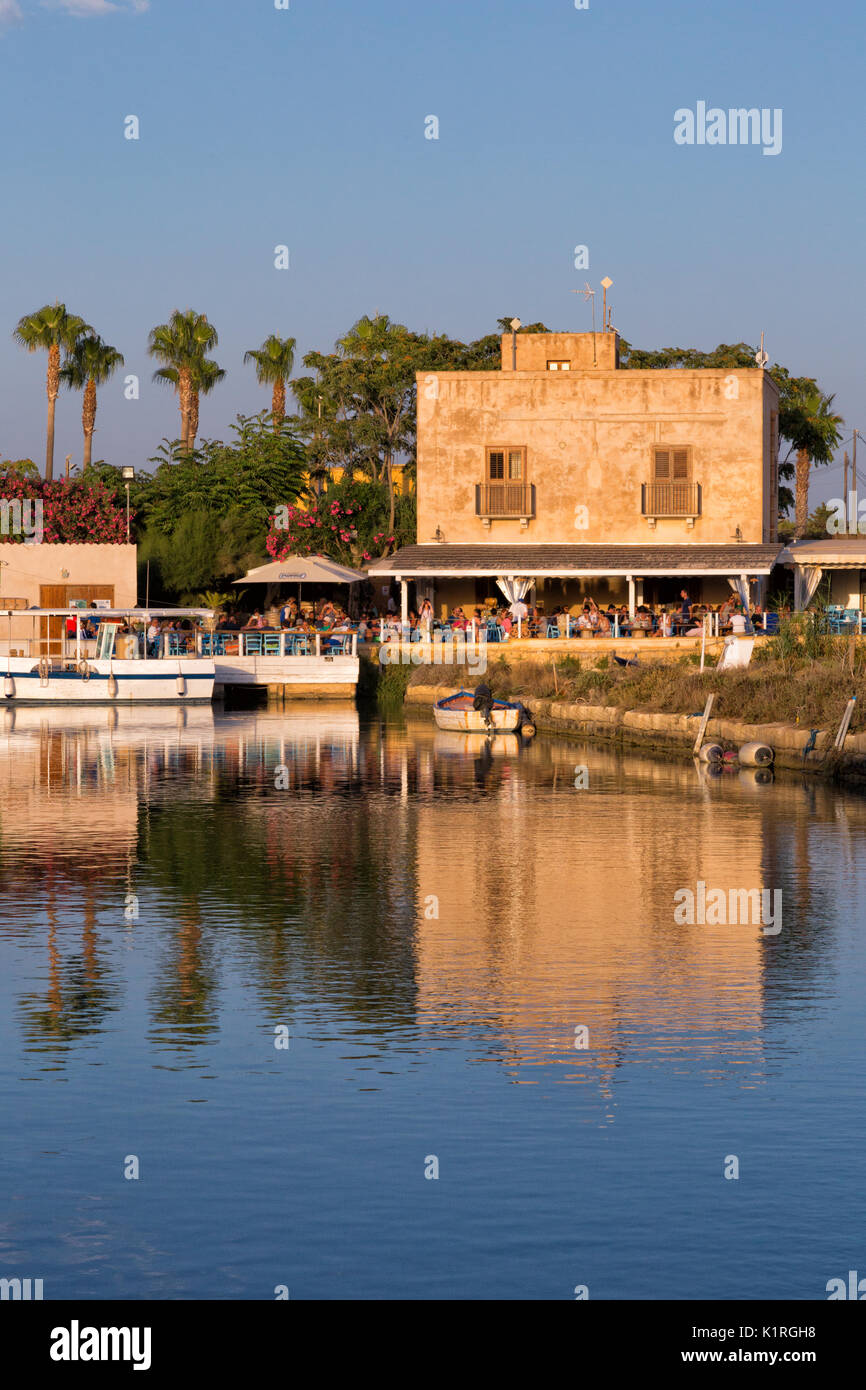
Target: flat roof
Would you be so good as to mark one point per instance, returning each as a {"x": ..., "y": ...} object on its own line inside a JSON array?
[{"x": 559, "y": 561}]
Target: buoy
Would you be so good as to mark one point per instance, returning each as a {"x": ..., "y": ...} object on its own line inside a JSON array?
[
  {"x": 181, "y": 684},
  {"x": 112, "y": 685},
  {"x": 9, "y": 686},
  {"x": 528, "y": 730},
  {"x": 756, "y": 755},
  {"x": 755, "y": 776},
  {"x": 711, "y": 753}
]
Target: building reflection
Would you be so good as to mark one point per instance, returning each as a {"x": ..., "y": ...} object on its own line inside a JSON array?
[{"x": 415, "y": 886}]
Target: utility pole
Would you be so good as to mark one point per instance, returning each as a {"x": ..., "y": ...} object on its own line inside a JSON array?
[
  {"x": 845, "y": 487},
  {"x": 854, "y": 480}
]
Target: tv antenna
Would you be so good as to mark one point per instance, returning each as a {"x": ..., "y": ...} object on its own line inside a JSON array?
[
  {"x": 762, "y": 357},
  {"x": 589, "y": 294}
]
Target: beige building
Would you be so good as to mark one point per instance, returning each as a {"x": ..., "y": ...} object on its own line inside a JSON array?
[
  {"x": 55, "y": 576},
  {"x": 587, "y": 478}
]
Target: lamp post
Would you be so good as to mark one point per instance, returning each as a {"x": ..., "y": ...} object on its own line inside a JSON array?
[{"x": 128, "y": 475}]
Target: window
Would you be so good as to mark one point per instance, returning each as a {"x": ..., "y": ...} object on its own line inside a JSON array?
[
  {"x": 671, "y": 465},
  {"x": 559, "y": 366},
  {"x": 505, "y": 464}
]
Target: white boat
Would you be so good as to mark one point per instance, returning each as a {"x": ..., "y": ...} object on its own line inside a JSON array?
[
  {"x": 52, "y": 667},
  {"x": 456, "y": 714}
]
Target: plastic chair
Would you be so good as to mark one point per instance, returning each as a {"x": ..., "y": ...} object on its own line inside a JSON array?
[
  {"x": 252, "y": 643},
  {"x": 300, "y": 645},
  {"x": 552, "y": 630},
  {"x": 271, "y": 643}
]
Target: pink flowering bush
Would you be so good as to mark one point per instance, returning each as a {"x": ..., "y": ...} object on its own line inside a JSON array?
[
  {"x": 73, "y": 511},
  {"x": 344, "y": 523}
]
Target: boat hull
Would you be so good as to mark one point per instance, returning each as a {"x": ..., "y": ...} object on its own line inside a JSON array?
[
  {"x": 456, "y": 715},
  {"x": 138, "y": 683}
]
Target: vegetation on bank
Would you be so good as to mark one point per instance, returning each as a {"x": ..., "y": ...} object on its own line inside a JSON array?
[{"x": 804, "y": 676}]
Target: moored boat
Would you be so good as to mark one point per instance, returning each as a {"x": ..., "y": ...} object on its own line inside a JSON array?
[
  {"x": 457, "y": 713},
  {"x": 51, "y": 667}
]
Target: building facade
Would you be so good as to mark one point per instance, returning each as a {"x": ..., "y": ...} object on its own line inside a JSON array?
[{"x": 633, "y": 478}]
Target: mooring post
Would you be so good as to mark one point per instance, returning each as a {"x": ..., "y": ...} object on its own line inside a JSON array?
[
  {"x": 705, "y": 719},
  {"x": 842, "y": 733}
]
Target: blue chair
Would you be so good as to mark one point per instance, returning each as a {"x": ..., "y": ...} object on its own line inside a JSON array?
[
  {"x": 252, "y": 643},
  {"x": 552, "y": 630},
  {"x": 271, "y": 644},
  {"x": 300, "y": 645},
  {"x": 771, "y": 623}
]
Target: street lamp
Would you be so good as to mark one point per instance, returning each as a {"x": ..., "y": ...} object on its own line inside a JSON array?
[{"x": 128, "y": 474}]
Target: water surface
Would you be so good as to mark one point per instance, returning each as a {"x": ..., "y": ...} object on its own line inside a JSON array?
[{"x": 427, "y": 925}]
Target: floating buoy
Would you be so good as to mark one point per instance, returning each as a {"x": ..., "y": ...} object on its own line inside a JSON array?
[
  {"x": 9, "y": 686},
  {"x": 711, "y": 753},
  {"x": 755, "y": 776},
  {"x": 181, "y": 683},
  {"x": 528, "y": 730},
  {"x": 112, "y": 685},
  {"x": 756, "y": 755}
]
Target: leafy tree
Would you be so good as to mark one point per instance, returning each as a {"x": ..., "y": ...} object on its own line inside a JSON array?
[
  {"x": 274, "y": 361},
  {"x": 51, "y": 329},
  {"x": 181, "y": 345},
  {"x": 349, "y": 523},
  {"x": 90, "y": 363}
]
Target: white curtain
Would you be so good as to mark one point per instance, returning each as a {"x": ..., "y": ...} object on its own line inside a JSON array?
[
  {"x": 806, "y": 581},
  {"x": 740, "y": 587},
  {"x": 514, "y": 589}
]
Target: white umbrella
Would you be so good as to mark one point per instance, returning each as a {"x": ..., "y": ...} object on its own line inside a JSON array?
[{"x": 302, "y": 569}]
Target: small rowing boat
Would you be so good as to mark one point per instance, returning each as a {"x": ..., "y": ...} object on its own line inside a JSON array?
[{"x": 458, "y": 714}]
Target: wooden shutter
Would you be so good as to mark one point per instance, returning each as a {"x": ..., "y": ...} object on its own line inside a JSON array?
[
  {"x": 662, "y": 465},
  {"x": 680, "y": 465},
  {"x": 496, "y": 463}
]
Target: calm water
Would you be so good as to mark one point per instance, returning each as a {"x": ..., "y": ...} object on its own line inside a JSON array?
[{"x": 431, "y": 926}]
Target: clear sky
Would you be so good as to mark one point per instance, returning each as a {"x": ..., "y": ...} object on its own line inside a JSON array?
[{"x": 306, "y": 127}]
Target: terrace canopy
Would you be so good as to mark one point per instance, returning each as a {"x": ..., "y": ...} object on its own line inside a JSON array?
[
  {"x": 811, "y": 561},
  {"x": 435, "y": 560},
  {"x": 302, "y": 569}
]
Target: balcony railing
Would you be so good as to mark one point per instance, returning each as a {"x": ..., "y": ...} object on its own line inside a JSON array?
[
  {"x": 671, "y": 500},
  {"x": 504, "y": 501}
]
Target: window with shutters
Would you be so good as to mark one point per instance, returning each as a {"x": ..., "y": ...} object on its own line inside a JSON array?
[
  {"x": 505, "y": 465},
  {"x": 672, "y": 465}
]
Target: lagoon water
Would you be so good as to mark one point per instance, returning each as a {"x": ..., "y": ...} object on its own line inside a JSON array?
[{"x": 425, "y": 928}]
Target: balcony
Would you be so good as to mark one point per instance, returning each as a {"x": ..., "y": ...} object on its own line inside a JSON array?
[
  {"x": 505, "y": 502},
  {"x": 665, "y": 500}
]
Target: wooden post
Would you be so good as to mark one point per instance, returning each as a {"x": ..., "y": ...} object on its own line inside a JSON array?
[
  {"x": 842, "y": 733},
  {"x": 705, "y": 719}
]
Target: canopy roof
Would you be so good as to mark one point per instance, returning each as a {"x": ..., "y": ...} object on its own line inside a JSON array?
[
  {"x": 559, "y": 561},
  {"x": 302, "y": 569}
]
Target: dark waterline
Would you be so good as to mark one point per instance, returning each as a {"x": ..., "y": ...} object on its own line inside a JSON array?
[{"x": 431, "y": 924}]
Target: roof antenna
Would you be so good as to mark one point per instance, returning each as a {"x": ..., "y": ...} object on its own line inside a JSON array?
[
  {"x": 762, "y": 357},
  {"x": 589, "y": 294}
]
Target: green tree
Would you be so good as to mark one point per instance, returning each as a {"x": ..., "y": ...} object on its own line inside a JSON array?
[
  {"x": 274, "y": 361},
  {"x": 807, "y": 420},
  {"x": 90, "y": 364},
  {"x": 51, "y": 329},
  {"x": 181, "y": 345}
]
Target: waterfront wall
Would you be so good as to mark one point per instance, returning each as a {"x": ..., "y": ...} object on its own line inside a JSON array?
[{"x": 677, "y": 732}]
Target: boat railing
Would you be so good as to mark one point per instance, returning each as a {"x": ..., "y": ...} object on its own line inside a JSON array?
[{"x": 289, "y": 642}]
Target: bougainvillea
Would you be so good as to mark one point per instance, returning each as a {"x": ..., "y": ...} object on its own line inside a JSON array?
[
  {"x": 74, "y": 511},
  {"x": 327, "y": 526}
]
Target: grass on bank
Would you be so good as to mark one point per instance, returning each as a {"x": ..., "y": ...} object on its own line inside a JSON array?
[{"x": 804, "y": 675}]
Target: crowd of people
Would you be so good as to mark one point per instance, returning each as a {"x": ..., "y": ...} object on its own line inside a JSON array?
[{"x": 586, "y": 617}]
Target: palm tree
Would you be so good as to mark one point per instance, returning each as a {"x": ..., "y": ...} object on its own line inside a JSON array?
[
  {"x": 181, "y": 344},
  {"x": 274, "y": 362},
  {"x": 90, "y": 363},
  {"x": 205, "y": 376},
  {"x": 49, "y": 330},
  {"x": 807, "y": 420}
]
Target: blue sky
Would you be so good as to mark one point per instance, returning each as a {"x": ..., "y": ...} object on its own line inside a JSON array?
[{"x": 305, "y": 127}]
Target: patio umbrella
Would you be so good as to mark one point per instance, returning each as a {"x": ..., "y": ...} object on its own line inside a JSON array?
[{"x": 301, "y": 569}]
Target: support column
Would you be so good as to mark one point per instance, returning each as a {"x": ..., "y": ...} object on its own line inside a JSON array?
[
  {"x": 404, "y": 602},
  {"x": 631, "y": 601}
]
